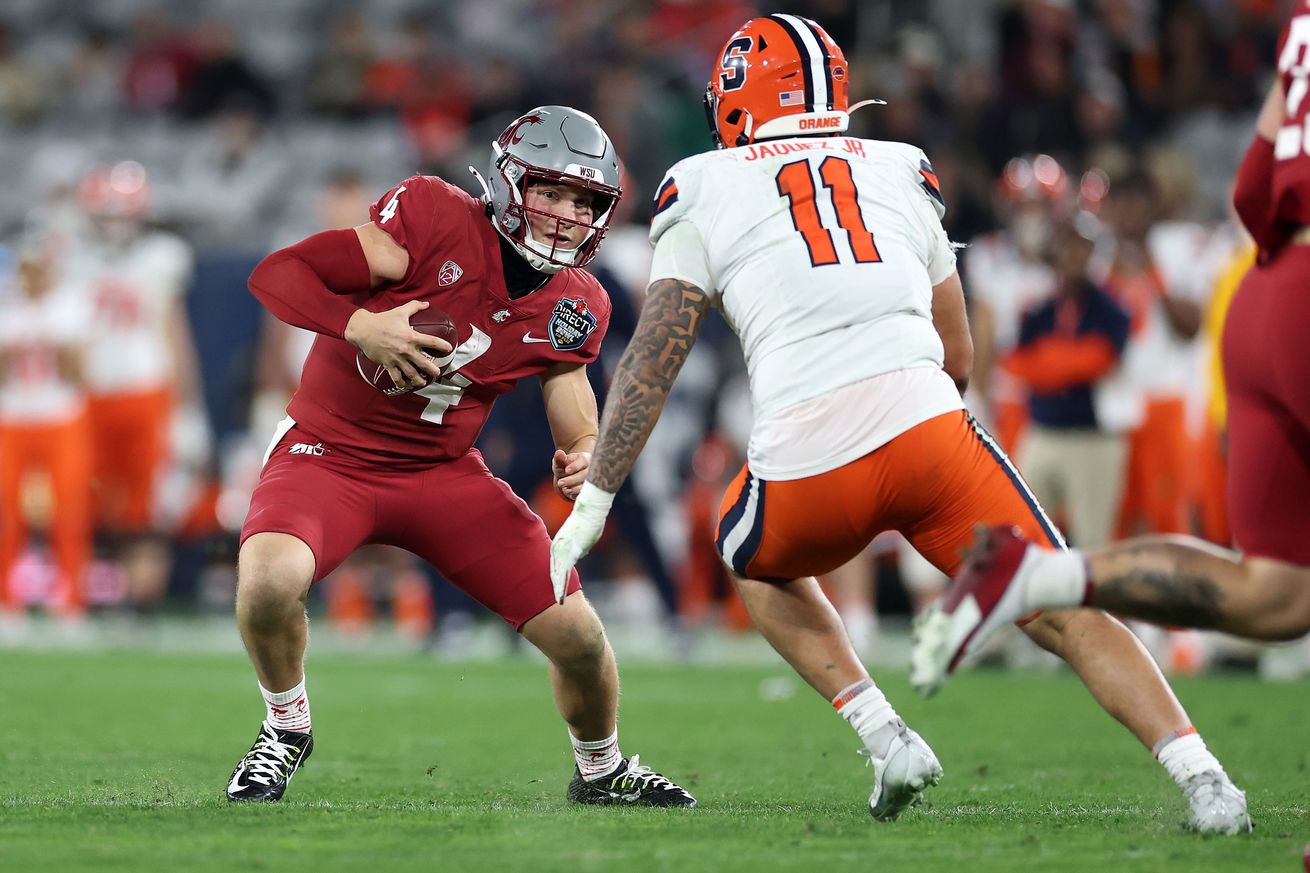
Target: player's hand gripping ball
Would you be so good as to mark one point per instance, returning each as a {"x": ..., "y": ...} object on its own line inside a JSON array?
[{"x": 435, "y": 324}]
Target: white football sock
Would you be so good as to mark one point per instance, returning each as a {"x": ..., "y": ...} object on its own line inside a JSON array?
[
  {"x": 1183, "y": 754},
  {"x": 1058, "y": 581},
  {"x": 596, "y": 758},
  {"x": 287, "y": 710},
  {"x": 865, "y": 709}
]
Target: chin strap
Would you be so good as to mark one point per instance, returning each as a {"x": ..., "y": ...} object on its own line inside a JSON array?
[
  {"x": 872, "y": 102},
  {"x": 486, "y": 189}
]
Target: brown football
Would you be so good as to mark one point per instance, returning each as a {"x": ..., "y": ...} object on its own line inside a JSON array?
[{"x": 435, "y": 324}]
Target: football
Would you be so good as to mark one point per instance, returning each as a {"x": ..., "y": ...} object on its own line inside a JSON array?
[{"x": 435, "y": 324}]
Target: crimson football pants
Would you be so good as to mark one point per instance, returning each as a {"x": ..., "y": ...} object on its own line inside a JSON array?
[
  {"x": 1267, "y": 366},
  {"x": 455, "y": 515}
]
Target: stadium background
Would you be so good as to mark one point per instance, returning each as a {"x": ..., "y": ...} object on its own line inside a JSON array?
[{"x": 257, "y": 124}]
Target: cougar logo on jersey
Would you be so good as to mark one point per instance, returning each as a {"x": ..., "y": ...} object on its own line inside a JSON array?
[
  {"x": 571, "y": 323},
  {"x": 450, "y": 273}
]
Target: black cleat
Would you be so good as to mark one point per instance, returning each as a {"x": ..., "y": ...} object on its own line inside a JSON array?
[
  {"x": 630, "y": 783},
  {"x": 263, "y": 774}
]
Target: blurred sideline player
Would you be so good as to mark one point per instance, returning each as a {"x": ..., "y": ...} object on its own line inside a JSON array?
[
  {"x": 1008, "y": 274},
  {"x": 1263, "y": 590},
  {"x": 144, "y": 365},
  {"x": 1149, "y": 269},
  {"x": 43, "y": 427},
  {"x": 827, "y": 255},
  {"x": 353, "y": 465}
]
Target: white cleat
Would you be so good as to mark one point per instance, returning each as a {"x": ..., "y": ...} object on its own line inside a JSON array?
[
  {"x": 1217, "y": 806},
  {"x": 902, "y": 773}
]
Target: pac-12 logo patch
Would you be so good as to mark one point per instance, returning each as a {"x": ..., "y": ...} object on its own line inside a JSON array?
[
  {"x": 571, "y": 323},
  {"x": 450, "y": 273}
]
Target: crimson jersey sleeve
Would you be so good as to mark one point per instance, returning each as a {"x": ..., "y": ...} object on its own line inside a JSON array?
[
  {"x": 1253, "y": 194},
  {"x": 1272, "y": 194},
  {"x": 421, "y": 214},
  {"x": 597, "y": 304}
]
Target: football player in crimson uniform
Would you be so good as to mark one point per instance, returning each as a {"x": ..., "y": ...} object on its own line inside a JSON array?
[
  {"x": 828, "y": 257},
  {"x": 353, "y": 465},
  {"x": 1263, "y": 590}
]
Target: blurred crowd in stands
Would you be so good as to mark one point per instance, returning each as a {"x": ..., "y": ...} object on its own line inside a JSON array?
[{"x": 152, "y": 153}]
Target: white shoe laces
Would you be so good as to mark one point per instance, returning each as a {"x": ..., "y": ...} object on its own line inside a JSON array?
[
  {"x": 269, "y": 759},
  {"x": 639, "y": 775}
]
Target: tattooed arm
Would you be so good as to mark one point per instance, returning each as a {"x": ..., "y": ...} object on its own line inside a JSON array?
[{"x": 670, "y": 321}]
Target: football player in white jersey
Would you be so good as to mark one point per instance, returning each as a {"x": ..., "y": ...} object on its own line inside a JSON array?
[
  {"x": 43, "y": 427},
  {"x": 145, "y": 361},
  {"x": 826, "y": 255},
  {"x": 1008, "y": 274}
]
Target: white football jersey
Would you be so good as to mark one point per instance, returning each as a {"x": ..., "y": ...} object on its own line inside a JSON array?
[
  {"x": 822, "y": 254},
  {"x": 131, "y": 291},
  {"x": 33, "y": 390},
  {"x": 1010, "y": 285},
  {"x": 1157, "y": 362}
]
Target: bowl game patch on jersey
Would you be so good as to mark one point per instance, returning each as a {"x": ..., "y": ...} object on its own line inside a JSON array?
[{"x": 571, "y": 323}]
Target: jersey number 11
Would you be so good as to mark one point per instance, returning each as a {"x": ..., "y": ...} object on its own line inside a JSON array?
[{"x": 796, "y": 183}]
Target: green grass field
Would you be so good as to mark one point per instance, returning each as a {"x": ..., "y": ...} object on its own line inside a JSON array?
[{"x": 118, "y": 762}]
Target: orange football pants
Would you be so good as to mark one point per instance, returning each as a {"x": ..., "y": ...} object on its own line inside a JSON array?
[
  {"x": 130, "y": 443},
  {"x": 1159, "y": 456},
  {"x": 62, "y": 452},
  {"x": 934, "y": 483}
]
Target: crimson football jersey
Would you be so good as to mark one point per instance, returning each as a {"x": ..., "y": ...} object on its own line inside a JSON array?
[
  {"x": 455, "y": 265},
  {"x": 1292, "y": 145}
]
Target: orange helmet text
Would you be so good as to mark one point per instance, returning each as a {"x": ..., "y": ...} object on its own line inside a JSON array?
[{"x": 779, "y": 75}]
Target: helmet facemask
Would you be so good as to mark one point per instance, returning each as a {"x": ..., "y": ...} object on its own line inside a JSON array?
[{"x": 515, "y": 225}]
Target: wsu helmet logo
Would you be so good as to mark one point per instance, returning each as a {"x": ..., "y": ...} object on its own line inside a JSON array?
[{"x": 512, "y": 136}]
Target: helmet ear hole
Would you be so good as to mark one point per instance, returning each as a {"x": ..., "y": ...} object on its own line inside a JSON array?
[{"x": 734, "y": 116}]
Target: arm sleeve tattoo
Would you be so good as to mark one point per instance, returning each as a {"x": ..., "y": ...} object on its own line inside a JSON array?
[{"x": 670, "y": 321}]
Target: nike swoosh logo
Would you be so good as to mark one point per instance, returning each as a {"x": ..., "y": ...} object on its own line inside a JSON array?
[{"x": 529, "y": 338}]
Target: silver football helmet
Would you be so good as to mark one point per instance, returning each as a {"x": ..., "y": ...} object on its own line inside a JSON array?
[{"x": 554, "y": 145}]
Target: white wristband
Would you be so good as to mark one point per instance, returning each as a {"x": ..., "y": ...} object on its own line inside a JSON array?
[{"x": 593, "y": 502}]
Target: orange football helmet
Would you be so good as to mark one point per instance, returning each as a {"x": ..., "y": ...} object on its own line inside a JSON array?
[{"x": 779, "y": 75}]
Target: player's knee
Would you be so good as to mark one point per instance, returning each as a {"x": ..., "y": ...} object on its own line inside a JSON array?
[
  {"x": 578, "y": 647},
  {"x": 582, "y": 649},
  {"x": 273, "y": 572},
  {"x": 1280, "y": 598}
]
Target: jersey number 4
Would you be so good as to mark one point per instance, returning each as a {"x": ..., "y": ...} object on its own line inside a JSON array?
[
  {"x": 449, "y": 389},
  {"x": 796, "y": 183}
]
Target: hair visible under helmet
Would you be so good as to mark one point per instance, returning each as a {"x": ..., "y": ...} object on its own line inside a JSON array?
[
  {"x": 777, "y": 76},
  {"x": 552, "y": 145}
]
